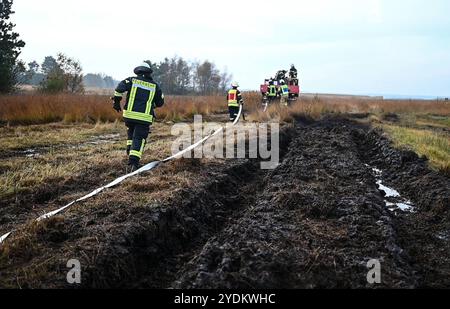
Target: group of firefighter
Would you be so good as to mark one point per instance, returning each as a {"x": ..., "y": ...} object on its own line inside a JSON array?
[
  {"x": 278, "y": 87},
  {"x": 144, "y": 95}
]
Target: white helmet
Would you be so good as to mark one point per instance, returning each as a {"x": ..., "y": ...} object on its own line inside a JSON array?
[
  {"x": 235, "y": 84},
  {"x": 144, "y": 67}
]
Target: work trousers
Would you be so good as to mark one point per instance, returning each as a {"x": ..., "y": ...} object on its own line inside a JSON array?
[
  {"x": 234, "y": 111},
  {"x": 137, "y": 138}
]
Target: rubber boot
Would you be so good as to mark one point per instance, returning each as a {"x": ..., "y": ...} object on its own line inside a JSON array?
[{"x": 133, "y": 164}]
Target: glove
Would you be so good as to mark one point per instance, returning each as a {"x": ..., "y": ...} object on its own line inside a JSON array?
[
  {"x": 117, "y": 107},
  {"x": 116, "y": 104}
]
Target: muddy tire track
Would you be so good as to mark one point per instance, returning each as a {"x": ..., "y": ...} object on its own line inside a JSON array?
[{"x": 318, "y": 221}]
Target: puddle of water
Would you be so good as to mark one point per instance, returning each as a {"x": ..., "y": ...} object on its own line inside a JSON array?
[
  {"x": 403, "y": 206},
  {"x": 104, "y": 139},
  {"x": 31, "y": 153},
  {"x": 107, "y": 136},
  {"x": 393, "y": 199},
  {"x": 388, "y": 191}
]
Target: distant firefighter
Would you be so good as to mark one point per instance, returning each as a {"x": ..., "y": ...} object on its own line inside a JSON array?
[
  {"x": 284, "y": 93},
  {"x": 234, "y": 98},
  {"x": 293, "y": 73},
  {"x": 272, "y": 91},
  {"x": 143, "y": 96},
  {"x": 281, "y": 74}
]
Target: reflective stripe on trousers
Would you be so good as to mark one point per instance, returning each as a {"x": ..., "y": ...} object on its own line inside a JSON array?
[{"x": 137, "y": 134}]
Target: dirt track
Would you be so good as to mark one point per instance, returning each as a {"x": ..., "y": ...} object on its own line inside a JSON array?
[{"x": 314, "y": 222}]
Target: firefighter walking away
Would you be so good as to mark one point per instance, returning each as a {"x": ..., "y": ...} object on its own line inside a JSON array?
[
  {"x": 143, "y": 96},
  {"x": 235, "y": 100}
]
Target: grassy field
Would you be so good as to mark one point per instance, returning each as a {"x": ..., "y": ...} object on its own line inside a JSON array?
[
  {"x": 54, "y": 149},
  {"x": 46, "y": 139}
]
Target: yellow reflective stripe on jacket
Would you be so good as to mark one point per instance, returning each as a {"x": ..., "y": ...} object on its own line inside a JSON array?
[
  {"x": 118, "y": 94},
  {"x": 150, "y": 87},
  {"x": 233, "y": 98},
  {"x": 138, "y": 116},
  {"x": 285, "y": 90},
  {"x": 130, "y": 113},
  {"x": 148, "y": 108},
  {"x": 272, "y": 91},
  {"x": 132, "y": 98}
]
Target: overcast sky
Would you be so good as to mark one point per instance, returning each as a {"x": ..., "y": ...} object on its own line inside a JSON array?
[{"x": 342, "y": 46}]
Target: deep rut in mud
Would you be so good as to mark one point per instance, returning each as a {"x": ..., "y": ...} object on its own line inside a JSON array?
[{"x": 320, "y": 217}]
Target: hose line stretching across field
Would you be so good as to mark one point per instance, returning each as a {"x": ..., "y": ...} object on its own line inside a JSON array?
[{"x": 119, "y": 180}]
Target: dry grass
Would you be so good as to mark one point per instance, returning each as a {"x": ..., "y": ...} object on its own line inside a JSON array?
[
  {"x": 65, "y": 151},
  {"x": 94, "y": 115},
  {"x": 435, "y": 146},
  {"x": 182, "y": 108},
  {"x": 41, "y": 109},
  {"x": 51, "y": 135},
  {"x": 316, "y": 107}
]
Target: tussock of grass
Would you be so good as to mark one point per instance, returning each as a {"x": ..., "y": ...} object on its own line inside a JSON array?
[{"x": 435, "y": 146}]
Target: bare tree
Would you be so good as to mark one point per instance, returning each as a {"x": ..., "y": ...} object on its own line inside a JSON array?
[
  {"x": 62, "y": 74},
  {"x": 72, "y": 73}
]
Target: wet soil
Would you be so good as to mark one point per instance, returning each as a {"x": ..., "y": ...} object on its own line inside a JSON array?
[{"x": 313, "y": 222}]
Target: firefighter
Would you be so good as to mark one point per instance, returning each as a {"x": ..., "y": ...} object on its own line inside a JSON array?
[
  {"x": 272, "y": 91},
  {"x": 143, "y": 96},
  {"x": 280, "y": 75},
  {"x": 234, "y": 98},
  {"x": 293, "y": 76},
  {"x": 284, "y": 93},
  {"x": 293, "y": 73}
]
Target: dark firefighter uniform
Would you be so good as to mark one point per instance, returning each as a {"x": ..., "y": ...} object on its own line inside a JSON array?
[
  {"x": 234, "y": 98},
  {"x": 143, "y": 96},
  {"x": 284, "y": 94},
  {"x": 272, "y": 92},
  {"x": 293, "y": 73}
]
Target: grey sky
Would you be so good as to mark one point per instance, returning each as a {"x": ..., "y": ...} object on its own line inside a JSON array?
[{"x": 345, "y": 46}]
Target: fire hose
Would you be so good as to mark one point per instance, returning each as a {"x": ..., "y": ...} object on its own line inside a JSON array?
[{"x": 145, "y": 168}]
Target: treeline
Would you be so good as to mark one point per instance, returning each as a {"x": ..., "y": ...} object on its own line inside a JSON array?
[
  {"x": 178, "y": 76},
  {"x": 36, "y": 74},
  {"x": 99, "y": 81},
  {"x": 54, "y": 75}
]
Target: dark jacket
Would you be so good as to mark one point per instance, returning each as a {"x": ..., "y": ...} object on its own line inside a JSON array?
[{"x": 143, "y": 96}]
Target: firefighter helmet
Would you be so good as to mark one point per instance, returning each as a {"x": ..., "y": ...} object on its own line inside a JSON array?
[
  {"x": 235, "y": 84},
  {"x": 143, "y": 68}
]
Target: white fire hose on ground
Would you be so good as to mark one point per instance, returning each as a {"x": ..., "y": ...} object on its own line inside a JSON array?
[{"x": 119, "y": 180}]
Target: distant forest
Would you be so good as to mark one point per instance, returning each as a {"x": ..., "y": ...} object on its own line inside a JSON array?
[
  {"x": 36, "y": 74},
  {"x": 175, "y": 75}
]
